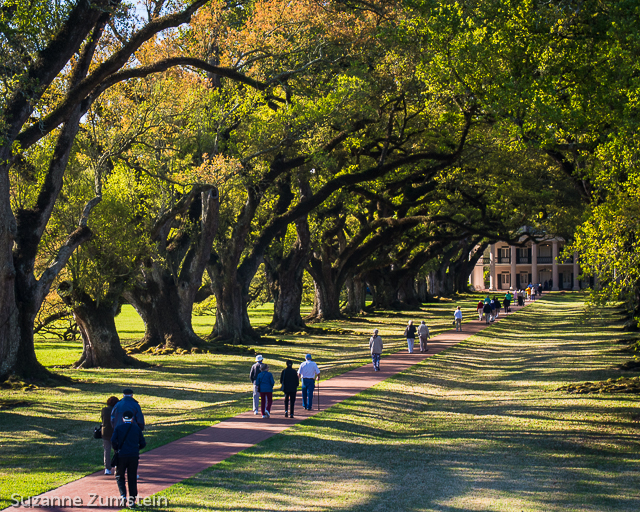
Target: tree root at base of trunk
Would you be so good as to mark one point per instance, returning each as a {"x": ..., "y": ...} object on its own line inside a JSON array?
[{"x": 46, "y": 380}]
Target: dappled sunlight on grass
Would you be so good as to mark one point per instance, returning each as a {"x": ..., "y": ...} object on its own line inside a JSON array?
[{"x": 479, "y": 427}]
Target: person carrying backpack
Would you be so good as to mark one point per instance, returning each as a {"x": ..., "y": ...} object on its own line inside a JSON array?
[{"x": 127, "y": 440}]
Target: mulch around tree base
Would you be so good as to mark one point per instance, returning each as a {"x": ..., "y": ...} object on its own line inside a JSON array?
[{"x": 169, "y": 464}]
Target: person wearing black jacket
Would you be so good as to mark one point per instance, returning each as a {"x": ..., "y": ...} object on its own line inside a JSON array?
[
  {"x": 127, "y": 440},
  {"x": 290, "y": 382}
]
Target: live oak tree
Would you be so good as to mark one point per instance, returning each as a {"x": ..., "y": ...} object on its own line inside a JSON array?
[{"x": 55, "y": 69}]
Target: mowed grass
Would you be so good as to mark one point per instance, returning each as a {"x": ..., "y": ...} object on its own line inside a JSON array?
[
  {"x": 45, "y": 434},
  {"x": 479, "y": 427}
]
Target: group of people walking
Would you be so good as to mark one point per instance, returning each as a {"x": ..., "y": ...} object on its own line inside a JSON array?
[
  {"x": 123, "y": 421},
  {"x": 263, "y": 384}
]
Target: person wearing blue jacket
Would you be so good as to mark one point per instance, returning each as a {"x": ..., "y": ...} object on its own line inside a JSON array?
[
  {"x": 265, "y": 382},
  {"x": 127, "y": 440},
  {"x": 128, "y": 403}
]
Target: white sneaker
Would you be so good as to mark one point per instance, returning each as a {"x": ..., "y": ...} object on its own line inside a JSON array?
[
  {"x": 255, "y": 411},
  {"x": 264, "y": 416},
  {"x": 107, "y": 472}
]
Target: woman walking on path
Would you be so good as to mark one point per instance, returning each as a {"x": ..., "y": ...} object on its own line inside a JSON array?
[
  {"x": 290, "y": 382},
  {"x": 265, "y": 383},
  {"x": 458, "y": 318},
  {"x": 375, "y": 346},
  {"x": 423, "y": 334},
  {"x": 410, "y": 334},
  {"x": 107, "y": 432},
  {"x": 479, "y": 310}
]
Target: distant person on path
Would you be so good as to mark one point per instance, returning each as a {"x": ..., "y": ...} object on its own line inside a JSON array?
[
  {"x": 496, "y": 308},
  {"x": 487, "y": 311},
  {"x": 410, "y": 334},
  {"x": 309, "y": 373},
  {"x": 423, "y": 334},
  {"x": 127, "y": 440},
  {"x": 533, "y": 292},
  {"x": 290, "y": 382},
  {"x": 505, "y": 305},
  {"x": 107, "y": 432},
  {"x": 265, "y": 383},
  {"x": 458, "y": 318},
  {"x": 128, "y": 403},
  {"x": 520, "y": 295},
  {"x": 375, "y": 346},
  {"x": 480, "y": 309},
  {"x": 492, "y": 305},
  {"x": 253, "y": 375}
]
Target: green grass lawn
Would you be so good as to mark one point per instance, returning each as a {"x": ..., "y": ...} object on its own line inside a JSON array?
[
  {"x": 478, "y": 427},
  {"x": 45, "y": 434}
]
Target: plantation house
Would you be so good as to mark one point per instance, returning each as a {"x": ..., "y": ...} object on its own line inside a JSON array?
[{"x": 512, "y": 267}]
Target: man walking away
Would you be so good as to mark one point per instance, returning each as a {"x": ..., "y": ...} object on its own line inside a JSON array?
[
  {"x": 479, "y": 310},
  {"x": 128, "y": 403},
  {"x": 375, "y": 346},
  {"x": 423, "y": 334},
  {"x": 290, "y": 382},
  {"x": 487, "y": 312},
  {"x": 458, "y": 318},
  {"x": 127, "y": 440},
  {"x": 309, "y": 373},
  {"x": 253, "y": 375}
]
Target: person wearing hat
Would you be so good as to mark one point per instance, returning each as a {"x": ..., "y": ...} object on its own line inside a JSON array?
[
  {"x": 253, "y": 375},
  {"x": 309, "y": 373},
  {"x": 128, "y": 403},
  {"x": 127, "y": 440},
  {"x": 375, "y": 345}
]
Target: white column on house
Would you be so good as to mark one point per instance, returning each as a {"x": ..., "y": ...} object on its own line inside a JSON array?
[
  {"x": 576, "y": 271},
  {"x": 554, "y": 265},
  {"x": 492, "y": 267},
  {"x": 513, "y": 267},
  {"x": 534, "y": 263}
]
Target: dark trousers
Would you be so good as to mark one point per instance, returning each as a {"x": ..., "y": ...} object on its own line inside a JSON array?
[
  {"x": 308, "y": 385},
  {"x": 130, "y": 465},
  {"x": 290, "y": 397}
]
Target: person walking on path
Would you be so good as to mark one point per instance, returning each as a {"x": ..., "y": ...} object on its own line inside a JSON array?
[
  {"x": 107, "y": 432},
  {"x": 253, "y": 375},
  {"x": 508, "y": 299},
  {"x": 497, "y": 307},
  {"x": 265, "y": 383},
  {"x": 487, "y": 312},
  {"x": 423, "y": 334},
  {"x": 290, "y": 382},
  {"x": 128, "y": 403},
  {"x": 533, "y": 292},
  {"x": 458, "y": 318},
  {"x": 309, "y": 373},
  {"x": 127, "y": 440},
  {"x": 410, "y": 334},
  {"x": 479, "y": 310},
  {"x": 375, "y": 346}
]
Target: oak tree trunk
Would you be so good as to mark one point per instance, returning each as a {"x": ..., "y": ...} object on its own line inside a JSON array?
[
  {"x": 166, "y": 317},
  {"x": 101, "y": 346}
]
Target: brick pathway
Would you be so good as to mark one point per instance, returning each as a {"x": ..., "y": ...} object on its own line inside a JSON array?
[{"x": 169, "y": 464}]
